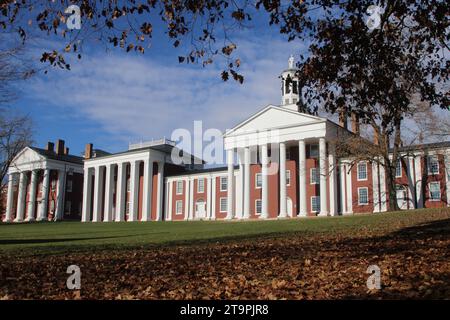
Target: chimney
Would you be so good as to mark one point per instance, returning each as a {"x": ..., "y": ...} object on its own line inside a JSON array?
[
  {"x": 355, "y": 123},
  {"x": 376, "y": 138},
  {"x": 343, "y": 119},
  {"x": 50, "y": 146},
  {"x": 59, "y": 147},
  {"x": 66, "y": 151},
  {"x": 88, "y": 151}
]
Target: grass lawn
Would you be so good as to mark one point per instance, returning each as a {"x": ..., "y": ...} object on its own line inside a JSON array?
[
  {"x": 57, "y": 237},
  {"x": 309, "y": 258}
]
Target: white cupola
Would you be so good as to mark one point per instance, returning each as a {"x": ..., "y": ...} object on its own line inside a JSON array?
[{"x": 290, "y": 91}]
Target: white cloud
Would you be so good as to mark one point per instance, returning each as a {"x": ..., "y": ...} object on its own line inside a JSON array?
[{"x": 136, "y": 97}]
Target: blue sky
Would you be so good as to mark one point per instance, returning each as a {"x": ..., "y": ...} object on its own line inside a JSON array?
[{"x": 111, "y": 98}]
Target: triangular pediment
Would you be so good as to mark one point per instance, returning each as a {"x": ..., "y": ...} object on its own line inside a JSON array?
[
  {"x": 26, "y": 156},
  {"x": 272, "y": 117}
]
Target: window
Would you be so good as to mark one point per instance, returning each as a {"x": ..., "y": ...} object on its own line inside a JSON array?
[
  {"x": 435, "y": 191},
  {"x": 200, "y": 185},
  {"x": 363, "y": 196},
  {"x": 362, "y": 171},
  {"x": 53, "y": 185},
  {"x": 315, "y": 177},
  {"x": 69, "y": 186},
  {"x": 313, "y": 150},
  {"x": 433, "y": 165},
  {"x": 288, "y": 177},
  {"x": 223, "y": 204},
  {"x": 128, "y": 185},
  {"x": 398, "y": 169},
  {"x": 127, "y": 208},
  {"x": 258, "y": 207},
  {"x": 68, "y": 208},
  {"x": 258, "y": 180},
  {"x": 179, "y": 207},
  {"x": 223, "y": 183},
  {"x": 179, "y": 187},
  {"x": 315, "y": 204}
]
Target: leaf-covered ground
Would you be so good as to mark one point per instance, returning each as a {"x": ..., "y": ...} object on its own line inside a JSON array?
[{"x": 412, "y": 251}]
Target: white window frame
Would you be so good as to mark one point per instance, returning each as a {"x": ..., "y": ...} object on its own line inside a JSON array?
[
  {"x": 358, "y": 171},
  {"x": 256, "y": 181},
  {"x": 310, "y": 151},
  {"x": 439, "y": 188},
  {"x": 429, "y": 158},
  {"x": 222, "y": 183},
  {"x": 318, "y": 203},
  {"x": 256, "y": 207},
  {"x": 202, "y": 190},
  {"x": 68, "y": 207},
  {"x": 399, "y": 163},
  {"x": 288, "y": 178},
  {"x": 359, "y": 196},
  {"x": 225, "y": 202},
  {"x": 177, "y": 189},
  {"x": 316, "y": 176},
  {"x": 69, "y": 185},
  {"x": 179, "y": 202}
]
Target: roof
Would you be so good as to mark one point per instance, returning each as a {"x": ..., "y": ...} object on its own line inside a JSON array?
[
  {"x": 165, "y": 148},
  {"x": 200, "y": 171},
  {"x": 433, "y": 145},
  {"x": 60, "y": 157}
]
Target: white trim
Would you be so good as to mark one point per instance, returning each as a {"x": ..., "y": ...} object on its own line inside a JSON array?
[
  {"x": 311, "y": 175},
  {"x": 220, "y": 204},
  {"x": 256, "y": 206},
  {"x": 256, "y": 180},
  {"x": 429, "y": 191},
  {"x": 311, "y": 203},
  {"x": 176, "y": 187},
  {"x": 220, "y": 183},
  {"x": 357, "y": 171},
  {"x": 359, "y": 196},
  {"x": 198, "y": 185},
  {"x": 177, "y": 202},
  {"x": 429, "y": 166}
]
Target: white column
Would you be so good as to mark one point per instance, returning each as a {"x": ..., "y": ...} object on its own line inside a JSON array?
[
  {"x": 120, "y": 192},
  {"x": 169, "y": 200},
  {"x": 191, "y": 199},
  {"x": 10, "y": 198},
  {"x": 239, "y": 187},
  {"x": 343, "y": 177},
  {"x": 134, "y": 191},
  {"x": 411, "y": 188},
  {"x": 213, "y": 198},
  {"x": 375, "y": 186},
  {"x": 418, "y": 180},
  {"x": 282, "y": 167},
  {"x": 21, "y": 198},
  {"x": 265, "y": 183},
  {"x": 32, "y": 205},
  {"x": 230, "y": 185},
  {"x": 383, "y": 202},
  {"x": 60, "y": 195},
  {"x": 349, "y": 194},
  {"x": 108, "y": 205},
  {"x": 87, "y": 190},
  {"x": 44, "y": 200},
  {"x": 98, "y": 194},
  {"x": 302, "y": 178},
  {"x": 186, "y": 199},
  {"x": 333, "y": 183},
  {"x": 447, "y": 176},
  {"x": 147, "y": 190},
  {"x": 246, "y": 183},
  {"x": 160, "y": 192},
  {"x": 323, "y": 177},
  {"x": 208, "y": 197}
]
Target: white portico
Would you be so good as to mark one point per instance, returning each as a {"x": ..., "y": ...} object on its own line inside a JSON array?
[
  {"x": 37, "y": 183},
  {"x": 264, "y": 139}
]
